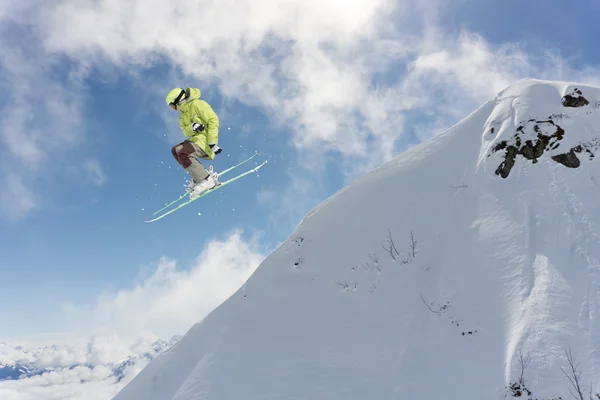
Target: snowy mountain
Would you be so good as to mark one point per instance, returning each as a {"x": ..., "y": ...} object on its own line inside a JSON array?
[
  {"x": 466, "y": 268},
  {"x": 22, "y": 362}
]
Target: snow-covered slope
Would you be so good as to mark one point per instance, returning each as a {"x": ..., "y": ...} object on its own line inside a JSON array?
[{"x": 462, "y": 269}]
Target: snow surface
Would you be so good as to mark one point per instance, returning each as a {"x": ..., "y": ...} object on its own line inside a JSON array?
[{"x": 503, "y": 269}]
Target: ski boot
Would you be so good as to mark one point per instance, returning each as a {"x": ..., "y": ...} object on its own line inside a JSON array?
[{"x": 210, "y": 182}]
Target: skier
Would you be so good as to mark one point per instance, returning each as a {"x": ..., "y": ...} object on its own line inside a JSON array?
[{"x": 200, "y": 123}]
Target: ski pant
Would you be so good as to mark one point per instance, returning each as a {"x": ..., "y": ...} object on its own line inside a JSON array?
[{"x": 186, "y": 153}]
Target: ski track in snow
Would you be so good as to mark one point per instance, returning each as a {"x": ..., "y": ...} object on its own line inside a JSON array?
[{"x": 503, "y": 267}]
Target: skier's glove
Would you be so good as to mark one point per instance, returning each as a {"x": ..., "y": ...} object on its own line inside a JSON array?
[
  {"x": 216, "y": 149},
  {"x": 196, "y": 127}
]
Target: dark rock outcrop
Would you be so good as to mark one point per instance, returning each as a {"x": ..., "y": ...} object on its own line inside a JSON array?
[
  {"x": 531, "y": 150},
  {"x": 575, "y": 99}
]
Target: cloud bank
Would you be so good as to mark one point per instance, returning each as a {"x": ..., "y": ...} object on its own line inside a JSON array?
[
  {"x": 362, "y": 79},
  {"x": 94, "y": 369},
  {"x": 172, "y": 299},
  {"x": 79, "y": 383},
  {"x": 127, "y": 324}
]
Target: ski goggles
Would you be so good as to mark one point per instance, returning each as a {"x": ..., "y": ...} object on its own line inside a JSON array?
[{"x": 175, "y": 102}]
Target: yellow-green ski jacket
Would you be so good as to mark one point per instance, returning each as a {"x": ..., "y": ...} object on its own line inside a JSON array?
[{"x": 195, "y": 110}]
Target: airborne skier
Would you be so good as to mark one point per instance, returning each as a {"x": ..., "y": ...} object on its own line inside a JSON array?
[{"x": 200, "y": 124}]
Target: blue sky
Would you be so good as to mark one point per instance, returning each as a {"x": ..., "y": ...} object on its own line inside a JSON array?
[{"x": 324, "y": 90}]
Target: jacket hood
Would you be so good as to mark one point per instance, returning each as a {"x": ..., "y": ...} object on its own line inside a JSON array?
[{"x": 194, "y": 94}]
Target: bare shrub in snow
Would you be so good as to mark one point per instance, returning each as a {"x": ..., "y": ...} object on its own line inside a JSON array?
[
  {"x": 518, "y": 388},
  {"x": 374, "y": 258},
  {"x": 375, "y": 266},
  {"x": 573, "y": 373},
  {"x": 391, "y": 249},
  {"x": 367, "y": 266},
  {"x": 391, "y": 246},
  {"x": 343, "y": 284},
  {"x": 413, "y": 246}
]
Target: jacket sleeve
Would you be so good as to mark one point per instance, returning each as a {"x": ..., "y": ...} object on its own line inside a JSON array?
[{"x": 210, "y": 119}]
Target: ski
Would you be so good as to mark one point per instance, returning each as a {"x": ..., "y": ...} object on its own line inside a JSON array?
[
  {"x": 207, "y": 192},
  {"x": 220, "y": 174}
]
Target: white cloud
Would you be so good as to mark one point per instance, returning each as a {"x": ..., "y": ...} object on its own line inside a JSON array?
[
  {"x": 77, "y": 369},
  {"x": 16, "y": 197},
  {"x": 100, "y": 349},
  {"x": 80, "y": 383},
  {"x": 289, "y": 205},
  {"x": 40, "y": 119},
  {"x": 95, "y": 173},
  {"x": 172, "y": 299},
  {"x": 127, "y": 323},
  {"x": 308, "y": 63},
  {"x": 362, "y": 78},
  {"x": 311, "y": 64}
]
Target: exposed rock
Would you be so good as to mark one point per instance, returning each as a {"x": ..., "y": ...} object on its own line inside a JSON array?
[
  {"x": 571, "y": 160},
  {"x": 575, "y": 99},
  {"x": 567, "y": 159},
  {"x": 531, "y": 150},
  {"x": 518, "y": 389}
]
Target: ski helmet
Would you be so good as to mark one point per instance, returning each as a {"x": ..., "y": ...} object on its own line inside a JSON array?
[{"x": 174, "y": 97}]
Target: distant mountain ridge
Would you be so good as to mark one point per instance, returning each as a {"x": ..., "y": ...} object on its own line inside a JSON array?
[{"x": 18, "y": 362}]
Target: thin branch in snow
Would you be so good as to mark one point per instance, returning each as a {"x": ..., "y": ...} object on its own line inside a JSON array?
[
  {"x": 343, "y": 284},
  {"x": 438, "y": 312},
  {"x": 574, "y": 376},
  {"x": 368, "y": 267},
  {"x": 523, "y": 362},
  {"x": 374, "y": 258},
  {"x": 424, "y": 302},
  {"x": 391, "y": 246},
  {"x": 413, "y": 245},
  {"x": 519, "y": 388}
]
